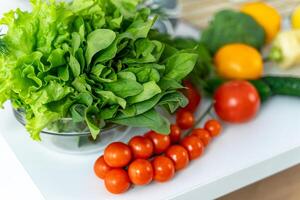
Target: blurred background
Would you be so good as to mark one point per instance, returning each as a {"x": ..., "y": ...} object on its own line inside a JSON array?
[{"x": 199, "y": 12}]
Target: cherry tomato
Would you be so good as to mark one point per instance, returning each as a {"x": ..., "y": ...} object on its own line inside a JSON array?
[
  {"x": 213, "y": 127},
  {"x": 101, "y": 168},
  {"x": 140, "y": 172},
  {"x": 193, "y": 96},
  {"x": 236, "y": 101},
  {"x": 193, "y": 145},
  {"x": 185, "y": 119},
  {"x": 117, "y": 154},
  {"x": 161, "y": 142},
  {"x": 117, "y": 181},
  {"x": 203, "y": 134},
  {"x": 164, "y": 168},
  {"x": 179, "y": 156},
  {"x": 141, "y": 147},
  {"x": 175, "y": 134}
]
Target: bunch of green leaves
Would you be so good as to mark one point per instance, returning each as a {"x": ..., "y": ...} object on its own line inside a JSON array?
[
  {"x": 92, "y": 61},
  {"x": 204, "y": 68},
  {"x": 230, "y": 26}
]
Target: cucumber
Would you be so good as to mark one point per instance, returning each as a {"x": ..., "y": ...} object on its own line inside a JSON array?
[
  {"x": 266, "y": 86},
  {"x": 288, "y": 86},
  {"x": 262, "y": 88}
]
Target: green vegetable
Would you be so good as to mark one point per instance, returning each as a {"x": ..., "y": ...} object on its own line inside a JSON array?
[
  {"x": 92, "y": 61},
  {"x": 203, "y": 69},
  {"x": 289, "y": 86},
  {"x": 3, "y": 49},
  {"x": 264, "y": 90},
  {"x": 266, "y": 86},
  {"x": 230, "y": 26}
]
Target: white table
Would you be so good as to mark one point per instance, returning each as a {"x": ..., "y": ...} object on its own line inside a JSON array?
[{"x": 242, "y": 155}]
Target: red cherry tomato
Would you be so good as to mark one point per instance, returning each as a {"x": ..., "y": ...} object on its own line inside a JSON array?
[
  {"x": 193, "y": 96},
  {"x": 185, "y": 119},
  {"x": 164, "y": 168},
  {"x": 179, "y": 156},
  {"x": 203, "y": 134},
  {"x": 101, "y": 168},
  {"x": 141, "y": 147},
  {"x": 161, "y": 142},
  {"x": 140, "y": 172},
  {"x": 236, "y": 101},
  {"x": 213, "y": 127},
  {"x": 193, "y": 145},
  {"x": 117, "y": 154},
  {"x": 117, "y": 181},
  {"x": 175, "y": 134}
]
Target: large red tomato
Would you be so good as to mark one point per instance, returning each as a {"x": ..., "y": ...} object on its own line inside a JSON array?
[{"x": 236, "y": 101}]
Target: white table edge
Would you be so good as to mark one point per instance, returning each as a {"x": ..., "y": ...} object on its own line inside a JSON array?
[{"x": 243, "y": 177}]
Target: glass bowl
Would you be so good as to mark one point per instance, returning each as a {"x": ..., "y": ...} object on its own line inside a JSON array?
[{"x": 66, "y": 136}]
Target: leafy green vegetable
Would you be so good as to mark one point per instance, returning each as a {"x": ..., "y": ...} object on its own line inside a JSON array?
[
  {"x": 230, "y": 26},
  {"x": 151, "y": 119},
  {"x": 3, "y": 49},
  {"x": 203, "y": 69},
  {"x": 92, "y": 61},
  {"x": 98, "y": 40}
]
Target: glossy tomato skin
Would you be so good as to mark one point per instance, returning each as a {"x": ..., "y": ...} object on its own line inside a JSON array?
[
  {"x": 175, "y": 134},
  {"x": 192, "y": 95},
  {"x": 214, "y": 127},
  {"x": 141, "y": 147},
  {"x": 203, "y": 134},
  {"x": 101, "y": 168},
  {"x": 236, "y": 101},
  {"x": 140, "y": 172},
  {"x": 117, "y": 181},
  {"x": 160, "y": 142},
  {"x": 164, "y": 168},
  {"x": 179, "y": 155},
  {"x": 117, "y": 154},
  {"x": 185, "y": 119},
  {"x": 193, "y": 145}
]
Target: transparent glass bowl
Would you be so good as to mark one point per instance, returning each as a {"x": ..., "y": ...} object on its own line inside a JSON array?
[{"x": 66, "y": 136}]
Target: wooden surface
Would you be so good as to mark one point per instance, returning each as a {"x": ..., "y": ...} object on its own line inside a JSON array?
[
  {"x": 282, "y": 186},
  {"x": 199, "y": 12}
]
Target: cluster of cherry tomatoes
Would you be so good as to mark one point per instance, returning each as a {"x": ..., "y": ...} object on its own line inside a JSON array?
[
  {"x": 155, "y": 156},
  {"x": 152, "y": 156}
]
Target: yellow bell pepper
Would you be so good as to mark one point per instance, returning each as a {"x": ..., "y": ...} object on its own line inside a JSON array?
[{"x": 285, "y": 50}]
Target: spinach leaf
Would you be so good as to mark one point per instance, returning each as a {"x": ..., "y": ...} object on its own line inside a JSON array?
[
  {"x": 110, "y": 98},
  {"x": 180, "y": 65},
  {"x": 150, "y": 90},
  {"x": 173, "y": 101},
  {"x": 124, "y": 88},
  {"x": 98, "y": 40},
  {"x": 151, "y": 119}
]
